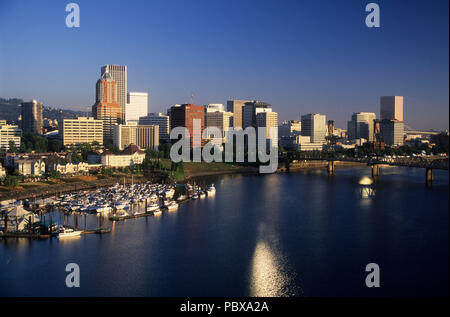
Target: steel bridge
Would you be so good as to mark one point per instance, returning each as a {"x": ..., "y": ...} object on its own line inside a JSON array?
[{"x": 429, "y": 163}]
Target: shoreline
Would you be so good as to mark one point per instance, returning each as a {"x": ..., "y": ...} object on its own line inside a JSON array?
[{"x": 54, "y": 189}]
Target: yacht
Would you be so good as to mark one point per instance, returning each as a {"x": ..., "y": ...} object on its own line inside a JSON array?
[
  {"x": 152, "y": 208},
  {"x": 172, "y": 206},
  {"x": 211, "y": 190},
  {"x": 65, "y": 232}
]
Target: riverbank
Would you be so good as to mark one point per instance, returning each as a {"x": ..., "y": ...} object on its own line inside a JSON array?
[
  {"x": 41, "y": 190},
  {"x": 191, "y": 170}
]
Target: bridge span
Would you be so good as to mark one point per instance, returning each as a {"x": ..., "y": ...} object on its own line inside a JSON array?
[{"x": 429, "y": 163}]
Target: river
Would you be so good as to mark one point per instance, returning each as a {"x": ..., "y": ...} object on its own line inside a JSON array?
[{"x": 293, "y": 234}]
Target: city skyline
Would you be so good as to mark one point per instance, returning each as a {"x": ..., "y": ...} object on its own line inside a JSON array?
[{"x": 343, "y": 71}]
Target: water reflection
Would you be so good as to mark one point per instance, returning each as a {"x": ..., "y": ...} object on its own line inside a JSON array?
[{"x": 268, "y": 276}]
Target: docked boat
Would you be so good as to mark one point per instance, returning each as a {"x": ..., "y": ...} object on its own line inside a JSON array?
[
  {"x": 153, "y": 208},
  {"x": 172, "y": 206},
  {"x": 181, "y": 197},
  {"x": 168, "y": 193},
  {"x": 211, "y": 190},
  {"x": 194, "y": 196},
  {"x": 122, "y": 205},
  {"x": 65, "y": 232},
  {"x": 202, "y": 194}
]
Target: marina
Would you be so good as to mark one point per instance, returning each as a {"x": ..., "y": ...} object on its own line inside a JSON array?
[{"x": 28, "y": 219}]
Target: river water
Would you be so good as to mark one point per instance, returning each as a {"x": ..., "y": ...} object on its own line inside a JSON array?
[{"x": 295, "y": 234}]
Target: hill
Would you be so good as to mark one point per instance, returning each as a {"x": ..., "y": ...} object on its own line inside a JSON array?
[{"x": 10, "y": 111}]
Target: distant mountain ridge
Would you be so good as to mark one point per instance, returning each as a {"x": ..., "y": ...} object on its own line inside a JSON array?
[{"x": 10, "y": 111}]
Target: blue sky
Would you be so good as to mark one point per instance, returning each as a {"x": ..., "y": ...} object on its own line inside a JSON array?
[{"x": 300, "y": 56}]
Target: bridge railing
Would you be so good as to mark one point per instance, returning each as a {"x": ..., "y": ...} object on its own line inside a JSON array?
[{"x": 425, "y": 162}]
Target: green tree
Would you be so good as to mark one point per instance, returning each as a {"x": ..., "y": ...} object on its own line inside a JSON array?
[
  {"x": 11, "y": 181},
  {"x": 12, "y": 147}
]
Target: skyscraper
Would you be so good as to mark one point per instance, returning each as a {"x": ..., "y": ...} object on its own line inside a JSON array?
[
  {"x": 137, "y": 106},
  {"x": 250, "y": 110},
  {"x": 314, "y": 125},
  {"x": 160, "y": 120},
  {"x": 391, "y": 116},
  {"x": 361, "y": 126},
  {"x": 221, "y": 120},
  {"x": 235, "y": 106},
  {"x": 269, "y": 120},
  {"x": 119, "y": 75},
  {"x": 391, "y": 108},
  {"x": 106, "y": 107},
  {"x": 184, "y": 116},
  {"x": 392, "y": 132},
  {"x": 32, "y": 119}
]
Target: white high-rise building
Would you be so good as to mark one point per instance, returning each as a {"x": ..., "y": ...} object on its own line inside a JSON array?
[
  {"x": 119, "y": 75},
  {"x": 361, "y": 126},
  {"x": 391, "y": 108},
  {"x": 9, "y": 133},
  {"x": 269, "y": 120},
  {"x": 314, "y": 125},
  {"x": 160, "y": 120},
  {"x": 144, "y": 136},
  {"x": 137, "y": 106}
]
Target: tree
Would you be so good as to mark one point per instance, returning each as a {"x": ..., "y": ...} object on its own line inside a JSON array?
[
  {"x": 11, "y": 181},
  {"x": 54, "y": 174},
  {"x": 12, "y": 147}
]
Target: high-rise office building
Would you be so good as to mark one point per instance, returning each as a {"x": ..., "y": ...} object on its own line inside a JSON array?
[
  {"x": 160, "y": 120},
  {"x": 144, "y": 136},
  {"x": 250, "y": 110},
  {"x": 361, "y": 126},
  {"x": 32, "y": 117},
  {"x": 269, "y": 120},
  {"x": 391, "y": 115},
  {"x": 106, "y": 107},
  {"x": 82, "y": 130},
  {"x": 392, "y": 132},
  {"x": 184, "y": 116},
  {"x": 137, "y": 106},
  {"x": 235, "y": 106},
  {"x": 9, "y": 133},
  {"x": 213, "y": 107},
  {"x": 290, "y": 128},
  {"x": 119, "y": 75},
  {"x": 314, "y": 125},
  {"x": 221, "y": 120},
  {"x": 391, "y": 108}
]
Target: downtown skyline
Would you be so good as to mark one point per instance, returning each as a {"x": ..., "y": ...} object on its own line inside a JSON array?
[{"x": 331, "y": 65}]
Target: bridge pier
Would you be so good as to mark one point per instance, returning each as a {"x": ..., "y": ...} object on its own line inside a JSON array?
[
  {"x": 330, "y": 167},
  {"x": 375, "y": 170},
  {"x": 429, "y": 176}
]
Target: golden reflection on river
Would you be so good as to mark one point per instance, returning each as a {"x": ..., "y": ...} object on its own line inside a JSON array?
[{"x": 268, "y": 277}]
